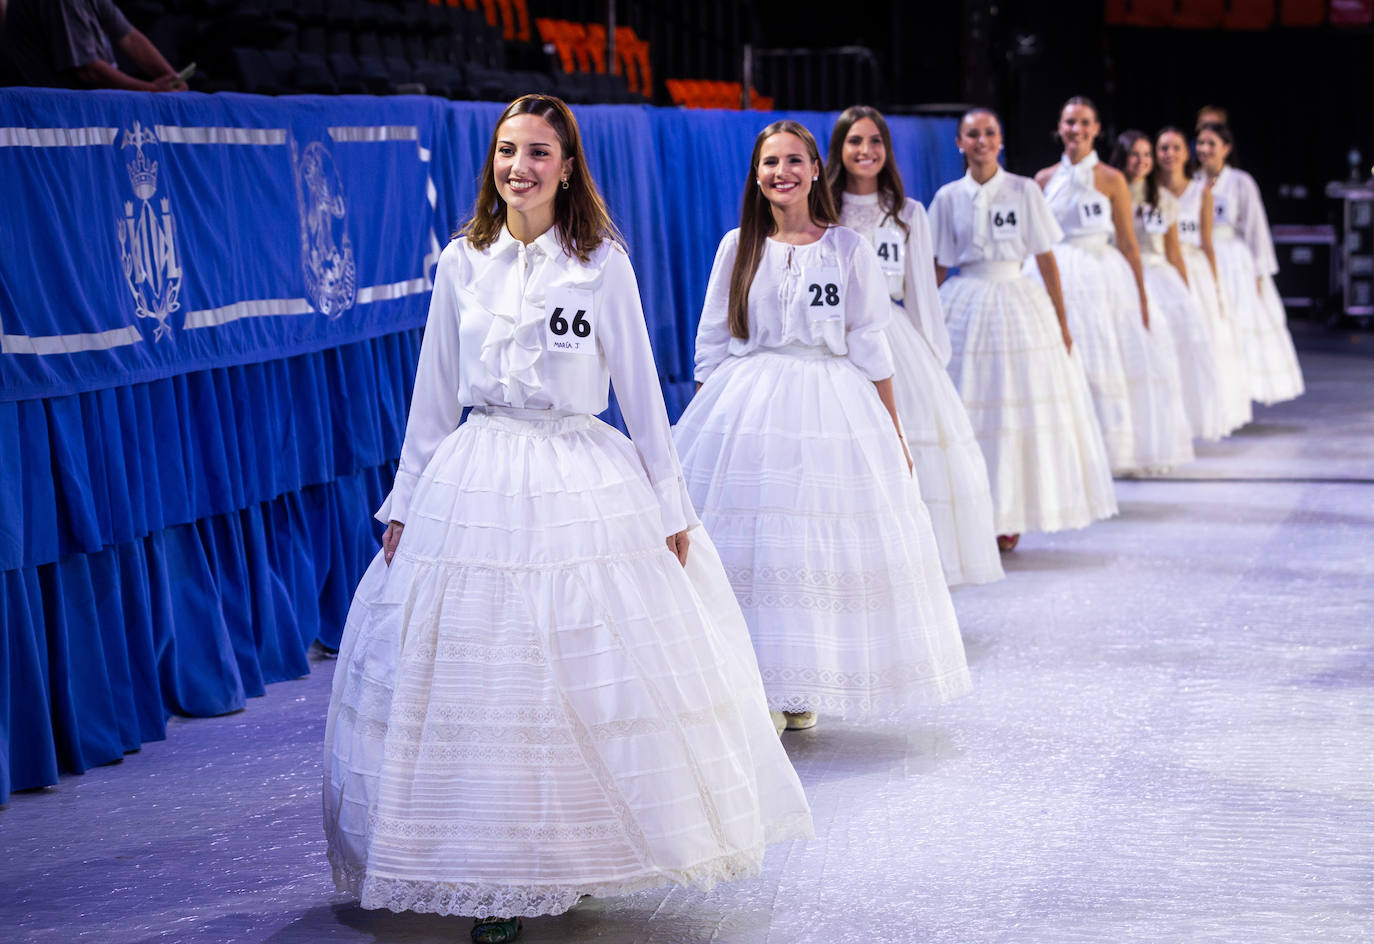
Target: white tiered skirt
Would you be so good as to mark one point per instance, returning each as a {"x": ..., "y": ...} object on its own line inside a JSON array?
[
  {"x": 797, "y": 472},
  {"x": 1232, "y": 371},
  {"x": 1173, "y": 307},
  {"x": 1273, "y": 363},
  {"x": 535, "y": 701},
  {"x": 1159, "y": 421},
  {"x": 1093, "y": 323},
  {"x": 1028, "y": 404},
  {"x": 950, "y": 468}
]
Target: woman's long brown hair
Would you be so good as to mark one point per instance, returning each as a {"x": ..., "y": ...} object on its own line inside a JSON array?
[
  {"x": 756, "y": 221},
  {"x": 580, "y": 216},
  {"x": 891, "y": 193}
]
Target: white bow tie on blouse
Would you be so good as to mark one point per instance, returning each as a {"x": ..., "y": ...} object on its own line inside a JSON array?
[{"x": 982, "y": 200}]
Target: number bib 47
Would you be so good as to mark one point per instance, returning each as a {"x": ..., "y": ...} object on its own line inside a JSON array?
[
  {"x": 824, "y": 293},
  {"x": 569, "y": 323},
  {"x": 890, "y": 245},
  {"x": 1003, "y": 222},
  {"x": 1153, "y": 219}
]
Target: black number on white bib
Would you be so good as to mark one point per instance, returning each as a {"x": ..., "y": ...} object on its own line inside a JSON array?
[
  {"x": 570, "y": 327},
  {"x": 827, "y": 294},
  {"x": 1004, "y": 222}
]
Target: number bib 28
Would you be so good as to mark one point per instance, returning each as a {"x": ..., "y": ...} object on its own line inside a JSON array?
[
  {"x": 1093, "y": 213},
  {"x": 824, "y": 293},
  {"x": 891, "y": 246},
  {"x": 569, "y": 323},
  {"x": 1003, "y": 221}
]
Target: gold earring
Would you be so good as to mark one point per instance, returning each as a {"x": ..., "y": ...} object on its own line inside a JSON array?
[{"x": 565, "y": 183}]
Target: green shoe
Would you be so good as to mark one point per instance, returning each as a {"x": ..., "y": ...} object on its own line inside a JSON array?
[{"x": 495, "y": 930}]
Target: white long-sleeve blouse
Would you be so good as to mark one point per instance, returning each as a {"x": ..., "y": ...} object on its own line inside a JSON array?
[
  {"x": 532, "y": 327},
  {"x": 1236, "y": 203},
  {"x": 907, "y": 260},
  {"x": 830, "y": 293},
  {"x": 1004, "y": 219}
]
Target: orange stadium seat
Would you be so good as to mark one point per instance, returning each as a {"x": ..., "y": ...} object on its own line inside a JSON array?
[
  {"x": 1249, "y": 14},
  {"x": 1302, "y": 12},
  {"x": 1200, "y": 14},
  {"x": 1140, "y": 12},
  {"x": 632, "y": 55}
]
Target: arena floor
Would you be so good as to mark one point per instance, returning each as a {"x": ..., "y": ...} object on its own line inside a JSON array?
[{"x": 1171, "y": 739}]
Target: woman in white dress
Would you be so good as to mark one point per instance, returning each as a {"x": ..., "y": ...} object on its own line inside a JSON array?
[
  {"x": 1155, "y": 211},
  {"x": 536, "y": 698},
  {"x": 950, "y": 469},
  {"x": 1247, "y": 263},
  {"x": 1013, "y": 360},
  {"x": 1130, "y": 362},
  {"x": 1195, "y": 241},
  {"x": 794, "y": 457}
]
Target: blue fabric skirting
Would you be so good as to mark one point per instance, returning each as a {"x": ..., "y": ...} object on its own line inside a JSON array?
[{"x": 158, "y": 556}]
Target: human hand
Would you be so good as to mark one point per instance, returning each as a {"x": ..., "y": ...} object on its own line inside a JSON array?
[
  {"x": 678, "y": 543},
  {"x": 171, "y": 82},
  {"x": 390, "y": 539}
]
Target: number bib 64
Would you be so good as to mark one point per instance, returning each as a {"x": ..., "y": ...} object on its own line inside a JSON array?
[
  {"x": 569, "y": 323},
  {"x": 823, "y": 293},
  {"x": 1003, "y": 221}
]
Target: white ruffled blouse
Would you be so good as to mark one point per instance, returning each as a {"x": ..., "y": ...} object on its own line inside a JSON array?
[
  {"x": 830, "y": 293},
  {"x": 532, "y": 327},
  {"x": 1236, "y": 202},
  {"x": 906, "y": 259}
]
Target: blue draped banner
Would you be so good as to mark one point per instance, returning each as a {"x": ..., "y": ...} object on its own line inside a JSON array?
[{"x": 210, "y": 312}]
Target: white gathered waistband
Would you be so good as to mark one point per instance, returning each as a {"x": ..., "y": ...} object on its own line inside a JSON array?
[{"x": 998, "y": 270}]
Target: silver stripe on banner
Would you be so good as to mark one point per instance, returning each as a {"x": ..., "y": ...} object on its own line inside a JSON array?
[
  {"x": 382, "y": 133},
  {"x": 257, "y": 308},
  {"x": 431, "y": 193},
  {"x": 377, "y": 293},
  {"x": 69, "y": 343},
  {"x": 57, "y": 137},
  {"x": 178, "y": 134}
]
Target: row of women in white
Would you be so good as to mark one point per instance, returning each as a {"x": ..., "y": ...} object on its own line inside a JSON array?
[{"x": 555, "y": 679}]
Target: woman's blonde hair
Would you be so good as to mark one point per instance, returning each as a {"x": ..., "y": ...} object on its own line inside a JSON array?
[{"x": 580, "y": 216}]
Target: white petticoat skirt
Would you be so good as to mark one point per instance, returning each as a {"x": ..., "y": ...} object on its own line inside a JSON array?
[
  {"x": 535, "y": 701},
  {"x": 1173, "y": 306},
  {"x": 797, "y": 472},
  {"x": 1028, "y": 404},
  {"x": 950, "y": 468},
  {"x": 1273, "y": 363},
  {"x": 1093, "y": 323},
  {"x": 1232, "y": 371}
]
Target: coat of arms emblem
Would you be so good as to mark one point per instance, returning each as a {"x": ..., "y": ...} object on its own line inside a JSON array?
[
  {"x": 331, "y": 280},
  {"x": 147, "y": 239}
]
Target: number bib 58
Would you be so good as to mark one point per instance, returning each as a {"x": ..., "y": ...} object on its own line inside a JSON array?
[
  {"x": 569, "y": 323},
  {"x": 824, "y": 293}
]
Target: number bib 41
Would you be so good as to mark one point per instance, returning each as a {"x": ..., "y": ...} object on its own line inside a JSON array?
[
  {"x": 824, "y": 293},
  {"x": 890, "y": 245},
  {"x": 1003, "y": 222},
  {"x": 569, "y": 324}
]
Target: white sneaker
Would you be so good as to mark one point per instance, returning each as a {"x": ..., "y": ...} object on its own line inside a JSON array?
[
  {"x": 800, "y": 720},
  {"x": 779, "y": 721}
]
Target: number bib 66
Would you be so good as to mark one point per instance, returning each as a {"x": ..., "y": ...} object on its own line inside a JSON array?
[
  {"x": 569, "y": 323},
  {"x": 823, "y": 293}
]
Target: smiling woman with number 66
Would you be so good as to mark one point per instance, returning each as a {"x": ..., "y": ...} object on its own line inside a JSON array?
[
  {"x": 542, "y": 692},
  {"x": 794, "y": 457}
]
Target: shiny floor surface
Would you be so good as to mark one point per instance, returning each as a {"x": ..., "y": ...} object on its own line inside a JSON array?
[{"x": 1171, "y": 739}]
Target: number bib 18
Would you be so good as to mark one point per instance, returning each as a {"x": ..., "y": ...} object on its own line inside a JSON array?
[
  {"x": 890, "y": 245},
  {"x": 1093, "y": 213},
  {"x": 1003, "y": 221},
  {"x": 824, "y": 293},
  {"x": 569, "y": 325}
]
